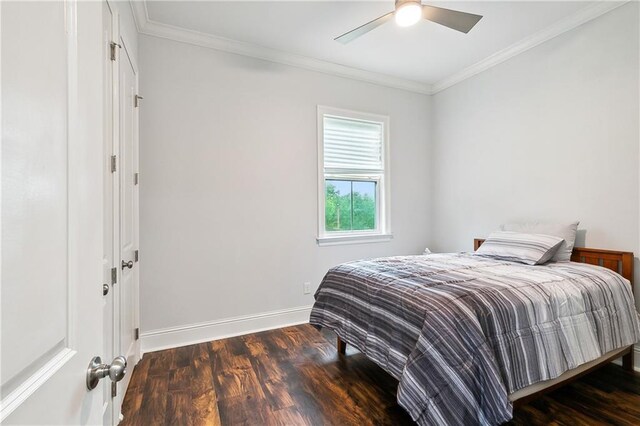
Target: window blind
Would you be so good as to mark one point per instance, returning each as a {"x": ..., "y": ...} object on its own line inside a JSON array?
[{"x": 352, "y": 144}]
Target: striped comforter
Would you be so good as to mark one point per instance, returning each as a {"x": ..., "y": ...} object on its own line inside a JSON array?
[{"x": 461, "y": 332}]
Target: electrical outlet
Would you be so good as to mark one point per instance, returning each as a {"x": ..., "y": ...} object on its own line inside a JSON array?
[{"x": 306, "y": 288}]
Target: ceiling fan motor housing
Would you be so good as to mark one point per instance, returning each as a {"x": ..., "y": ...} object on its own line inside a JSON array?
[{"x": 402, "y": 2}]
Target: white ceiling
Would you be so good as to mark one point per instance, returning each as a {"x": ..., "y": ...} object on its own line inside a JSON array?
[{"x": 425, "y": 53}]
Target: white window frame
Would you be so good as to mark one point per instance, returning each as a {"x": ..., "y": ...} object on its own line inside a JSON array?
[{"x": 383, "y": 222}]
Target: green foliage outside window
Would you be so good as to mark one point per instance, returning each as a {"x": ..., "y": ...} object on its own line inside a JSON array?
[{"x": 350, "y": 205}]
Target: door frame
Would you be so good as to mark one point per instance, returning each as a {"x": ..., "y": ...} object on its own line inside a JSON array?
[
  {"x": 110, "y": 149},
  {"x": 122, "y": 55}
]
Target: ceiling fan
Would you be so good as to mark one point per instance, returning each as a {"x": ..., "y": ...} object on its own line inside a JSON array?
[{"x": 408, "y": 12}]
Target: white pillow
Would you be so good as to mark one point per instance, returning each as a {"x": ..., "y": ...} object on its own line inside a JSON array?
[
  {"x": 530, "y": 249},
  {"x": 565, "y": 231}
]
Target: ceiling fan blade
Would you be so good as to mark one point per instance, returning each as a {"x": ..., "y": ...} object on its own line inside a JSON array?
[
  {"x": 363, "y": 29},
  {"x": 460, "y": 21}
]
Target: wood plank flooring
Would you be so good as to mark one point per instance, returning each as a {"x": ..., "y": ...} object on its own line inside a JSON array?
[{"x": 293, "y": 376}]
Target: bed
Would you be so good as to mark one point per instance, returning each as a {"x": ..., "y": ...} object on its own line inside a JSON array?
[{"x": 469, "y": 337}]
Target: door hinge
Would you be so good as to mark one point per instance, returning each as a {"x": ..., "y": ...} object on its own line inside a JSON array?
[
  {"x": 114, "y": 389},
  {"x": 135, "y": 255},
  {"x": 113, "y": 46},
  {"x": 114, "y": 275},
  {"x": 136, "y": 333},
  {"x": 136, "y": 178},
  {"x": 136, "y": 100},
  {"x": 113, "y": 163}
]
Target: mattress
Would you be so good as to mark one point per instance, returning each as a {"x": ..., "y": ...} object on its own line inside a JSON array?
[{"x": 461, "y": 332}]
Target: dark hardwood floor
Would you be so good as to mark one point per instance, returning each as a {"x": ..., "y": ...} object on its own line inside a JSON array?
[{"x": 293, "y": 376}]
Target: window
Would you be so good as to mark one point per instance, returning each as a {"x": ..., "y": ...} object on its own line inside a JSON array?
[{"x": 353, "y": 174}]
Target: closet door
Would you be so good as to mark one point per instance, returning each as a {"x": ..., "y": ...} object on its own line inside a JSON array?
[{"x": 128, "y": 210}]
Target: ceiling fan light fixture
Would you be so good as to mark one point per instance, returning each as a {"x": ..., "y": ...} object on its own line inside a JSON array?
[{"x": 408, "y": 13}]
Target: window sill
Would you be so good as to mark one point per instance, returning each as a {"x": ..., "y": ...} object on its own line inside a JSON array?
[{"x": 353, "y": 239}]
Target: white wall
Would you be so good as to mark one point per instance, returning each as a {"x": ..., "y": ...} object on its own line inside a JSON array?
[
  {"x": 228, "y": 166},
  {"x": 229, "y": 181},
  {"x": 551, "y": 134}
]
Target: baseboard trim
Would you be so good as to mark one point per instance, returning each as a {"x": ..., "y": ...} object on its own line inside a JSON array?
[
  {"x": 190, "y": 334},
  {"x": 175, "y": 337}
]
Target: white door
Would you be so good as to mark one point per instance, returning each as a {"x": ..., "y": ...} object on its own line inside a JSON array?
[
  {"x": 52, "y": 108},
  {"x": 109, "y": 27},
  {"x": 128, "y": 212}
]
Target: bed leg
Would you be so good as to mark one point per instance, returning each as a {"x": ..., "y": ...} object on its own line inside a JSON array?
[
  {"x": 341, "y": 346},
  {"x": 627, "y": 360}
]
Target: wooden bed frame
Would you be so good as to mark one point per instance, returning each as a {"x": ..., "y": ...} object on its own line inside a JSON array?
[{"x": 620, "y": 262}]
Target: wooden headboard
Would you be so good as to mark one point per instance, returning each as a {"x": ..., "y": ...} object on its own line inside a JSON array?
[{"x": 618, "y": 261}]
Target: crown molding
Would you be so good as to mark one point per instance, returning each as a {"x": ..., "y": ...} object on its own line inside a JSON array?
[
  {"x": 170, "y": 32},
  {"x": 140, "y": 13},
  {"x": 560, "y": 27}
]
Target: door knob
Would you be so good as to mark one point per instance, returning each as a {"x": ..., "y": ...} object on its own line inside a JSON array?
[
  {"x": 97, "y": 370},
  {"x": 128, "y": 264}
]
